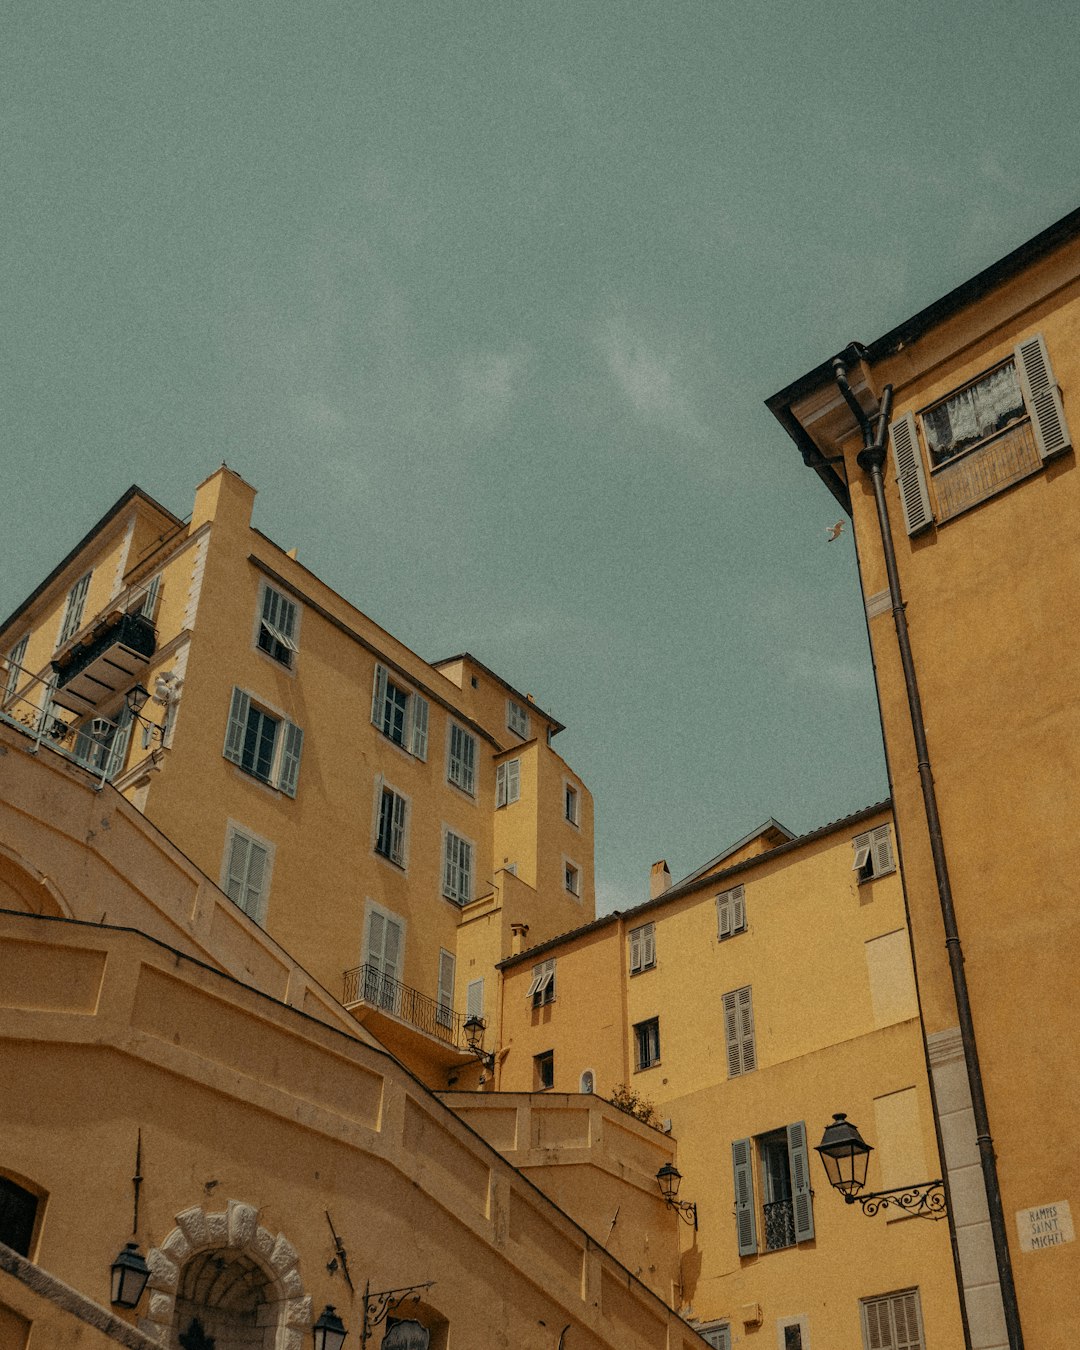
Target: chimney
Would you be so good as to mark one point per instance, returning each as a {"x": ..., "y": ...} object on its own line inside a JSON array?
[
  {"x": 659, "y": 879},
  {"x": 518, "y": 932}
]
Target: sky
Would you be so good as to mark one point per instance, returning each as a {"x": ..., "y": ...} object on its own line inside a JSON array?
[{"x": 485, "y": 299}]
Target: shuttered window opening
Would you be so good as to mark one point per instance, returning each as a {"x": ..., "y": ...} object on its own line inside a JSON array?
[
  {"x": 739, "y": 1031},
  {"x": 474, "y": 998},
  {"x": 461, "y": 765},
  {"x": 507, "y": 782},
  {"x": 390, "y": 833},
  {"x": 731, "y": 912},
  {"x": 73, "y": 609},
  {"x": 873, "y": 853},
  {"x": 278, "y": 626},
  {"x": 384, "y": 950},
  {"x": 457, "y": 868},
  {"x": 719, "y": 1336},
  {"x": 786, "y": 1215},
  {"x": 517, "y": 718},
  {"x": 542, "y": 988},
  {"x": 263, "y": 745},
  {"x": 106, "y": 752},
  {"x": 145, "y": 598},
  {"x": 16, "y": 657},
  {"x": 445, "y": 1011},
  {"x": 399, "y": 713},
  {"x": 642, "y": 948},
  {"x": 247, "y": 873},
  {"x": 893, "y": 1321}
]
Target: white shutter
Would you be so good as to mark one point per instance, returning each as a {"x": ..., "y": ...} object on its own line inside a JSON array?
[
  {"x": 15, "y": 660},
  {"x": 861, "y": 845},
  {"x": 910, "y": 475},
  {"x": 1042, "y": 396},
  {"x": 747, "y": 1047},
  {"x": 474, "y": 998},
  {"x": 801, "y": 1194},
  {"x": 635, "y": 950},
  {"x": 234, "y": 733},
  {"x": 648, "y": 954},
  {"x": 150, "y": 599},
  {"x": 534, "y": 987},
  {"x": 290, "y": 758},
  {"x": 252, "y": 903},
  {"x": 418, "y": 732},
  {"x": 738, "y": 910},
  {"x": 500, "y": 785},
  {"x": 513, "y": 780},
  {"x": 236, "y": 874},
  {"x": 446, "y": 986},
  {"x": 378, "y": 696},
  {"x": 121, "y": 736},
  {"x": 397, "y": 830},
  {"x": 881, "y": 844},
  {"x": 723, "y": 914}
]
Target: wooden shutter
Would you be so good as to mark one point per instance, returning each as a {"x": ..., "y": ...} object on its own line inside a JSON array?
[
  {"x": 500, "y": 785},
  {"x": 731, "y": 1035},
  {"x": 149, "y": 604},
  {"x": 418, "y": 730},
  {"x": 747, "y": 1048},
  {"x": 910, "y": 476},
  {"x": 861, "y": 845},
  {"x": 378, "y": 696},
  {"x": 474, "y": 998},
  {"x": 290, "y": 758},
  {"x": 446, "y": 985},
  {"x": 252, "y": 904},
  {"x": 121, "y": 736},
  {"x": 648, "y": 946},
  {"x": 635, "y": 950},
  {"x": 877, "y": 1326},
  {"x": 465, "y": 865},
  {"x": 742, "y": 1159},
  {"x": 881, "y": 844},
  {"x": 907, "y": 1323},
  {"x": 738, "y": 910},
  {"x": 397, "y": 829},
  {"x": 513, "y": 780},
  {"x": 237, "y": 728},
  {"x": 237, "y": 871},
  {"x": 450, "y": 866},
  {"x": 801, "y": 1194},
  {"x": 1042, "y": 396},
  {"x": 723, "y": 914}
]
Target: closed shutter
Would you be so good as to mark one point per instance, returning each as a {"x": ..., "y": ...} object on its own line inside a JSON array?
[
  {"x": 635, "y": 950},
  {"x": 723, "y": 914},
  {"x": 150, "y": 599},
  {"x": 450, "y": 866},
  {"x": 1042, "y": 396},
  {"x": 907, "y": 1323},
  {"x": 474, "y": 999},
  {"x": 418, "y": 733},
  {"x": 801, "y": 1194},
  {"x": 513, "y": 780},
  {"x": 290, "y": 759},
  {"x": 738, "y": 910},
  {"x": 397, "y": 830},
  {"x": 747, "y": 1047},
  {"x": 500, "y": 785},
  {"x": 252, "y": 903},
  {"x": 731, "y": 1036},
  {"x": 236, "y": 875},
  {"x": 648, "y": 946},
  {"x": 745, "y": 1225},
  {"x": 73, "y": 610},
  {"x": 877, "y": 1326},
  {"x": 910, "y": 476},
  {"x": 378, "y": 696},
  {"x": 118, "y": 749},
  {"x": 881, "y": 844},
  {"x": 446, "y": 987},
  {"x": 238, "y": 717}
]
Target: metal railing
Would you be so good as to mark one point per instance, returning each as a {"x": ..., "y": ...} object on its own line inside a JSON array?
[
  {"x": 779, "y": 1225},
  {"x": 26, "y": 703},
  {"x": 368, "y": 984}
]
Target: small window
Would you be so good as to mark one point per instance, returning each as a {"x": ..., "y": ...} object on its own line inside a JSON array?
[
  {"x": 461, "y": 765},
  {"x": 731, "y": 913},
  {"x": 873, "y": 854},
  {"x": 246, "y": 879},
  {"x": 457, "y": 868},
  {"x": 277, "y": 626},
  {"x": 399, "y": 713},
  {"x": 105, "y": 752},
  {"x": 642, "y": 948},
  {"x": 794, "y": 1333},
  {"x": 507, "y": 782},
  {"x": 739, "y": 1031},
  {"x": 572, "y": 878},
  {"x": 517, "y": 718},
  {"x": 544, "y": 1071},
  {"x": 588, "y": 1082},
  {"x": 144, "y": 598},
  {"x": 542, "y": 988},
  {"x": 390, "y": 833},
  {"x": 73, "y": 610},
  {"x": 647, "y": 1043},
  {"x": 264, "y": 745},
  {"x": 572, "y": 804},
  {"x": 16, "y": 657},
  {"x": 18, "y": 1213},
  {"x": 893, "y": 1321},
  {"x": 718, "y": 1335}
]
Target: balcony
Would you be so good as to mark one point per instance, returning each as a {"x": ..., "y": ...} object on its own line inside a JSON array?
[
  {"x": 108, "y": 660},
  {"x": 779, "y": 1225},
  {"x": 416, "y": 1028}
]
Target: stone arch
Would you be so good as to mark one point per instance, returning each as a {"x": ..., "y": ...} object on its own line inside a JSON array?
[
  {"x": 226, "y": 1262},
  {"x": 24, "y": 887}
]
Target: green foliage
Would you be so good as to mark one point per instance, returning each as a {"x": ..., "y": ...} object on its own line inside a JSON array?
[{"x": 628, "y": 1099}]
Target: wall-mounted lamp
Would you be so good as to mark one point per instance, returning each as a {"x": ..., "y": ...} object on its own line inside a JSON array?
[
  {"x": 669, "y": 1178},
  {"x": 474, "y": 1041},
  {"x": 135, "y": 701},
  {"x": 329, "y": 1331},
  {"x": 129, "y": 1276},
  {"x": 845, "y": 1155}
]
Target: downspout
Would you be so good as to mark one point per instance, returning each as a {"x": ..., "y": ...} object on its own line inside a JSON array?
[{"x": 871, "y": 460}]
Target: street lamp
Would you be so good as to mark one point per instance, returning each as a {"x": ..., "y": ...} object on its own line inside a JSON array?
[
  {"x": 669, "y": 1178},
  {"x": 129, "y": 1276},
  {"x": 845, "y": 1155},
  {"x": 329, "y": 1331},
  {"x": 474, "y": 1040}
]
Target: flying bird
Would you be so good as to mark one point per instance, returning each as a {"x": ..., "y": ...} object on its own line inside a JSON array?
[{"x": 833, "y": 531}]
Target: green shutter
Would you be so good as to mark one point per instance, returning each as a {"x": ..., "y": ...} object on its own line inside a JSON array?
[
  {"x": 801, "y": 1194},
  {"x": 234, "y": 734},
  {"x": 907, "y": 460},
  {"x": 118, "y": 749},
  {"x": 1042, "y": 396},
  {"x": 742, "y": 1159},
  {"x": 290, "y": 759}
]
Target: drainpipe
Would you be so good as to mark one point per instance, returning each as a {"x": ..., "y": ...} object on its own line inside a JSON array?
[{"x": 871, "y": 460}]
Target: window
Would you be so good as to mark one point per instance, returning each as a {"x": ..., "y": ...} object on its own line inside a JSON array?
[
  {"x": 444, "y": 1012},
  {"x": 979, "y": 410},
  {"x": 474, "y": 998},
  {"x": 461, "y": 767},
  {"x": 893, "y": 1321},
  {"x": 572, "y": 803},
  {"x": 796, "y": 1334},
  {"x": 73, "y": 610},
  {"x": 542, "y": 988},
  {"x": 787, "y": 1211},
  {"x": 105, "y": 753},
  {"x": 588, "y": 1082},
  {"x": 145, "y": 597},
  {"x": 647, "y": 1043},
  {"x": 873, "y": 854},
  {"x": 544, "y": 1071},
  {"x": 401, "y": 716},
  {"x": 390, "y": 831},
  {"x": 457, "y": 868},
  {"x": 572, "y": 877},
  {"x": 642, "y": 948},
  {"x": 718, "y": 1335},
  {"x": 517, "y": 718},
  {"x": 507, "y": 782},
  {"x": 384, "y": 950},
  {"x": 265, "y": 746},
  {"x": 739, "y": 1031},
  {"x": 731, "y": 912},
  {"x": 277, "y": 626},
  {"x": 14, "y": 666},
  {"x": 18, "y": 1211},
  {"x": 246, "y": 872}
]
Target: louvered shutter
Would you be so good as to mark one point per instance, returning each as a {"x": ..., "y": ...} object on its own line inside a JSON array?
[
  {"x": 513, "y": 780},
  {"x": 878, "y": 1326},
  {"x": 881, "y": 843},
  {"x": 1042, "y": 396},
  {"x": 906, "y": 1321},
  {"x": 801, "y": 1195},
  {"x": 418, "y": 733},
  {"x": 236, "y": 875},
  {"x": 500, "y": 785},
  {"x": 648, "y": 947},
  {"x": 378, "y": 696},
  {"x": 234, "y": 734},
  {"x": 446, "y": 986},
  {"x": 149, "y": 604},
  {"x": 747, "y": 1048},
  {"x": 907, "y": 461},
  {"x": 466, "y": 872},
  {"x": 861, "y": 845},
  {"x": 738, "y": 910},
  {"x": 723, "y": 914},
  {"x": 731, "y": 1036},
  {"x": 745, "y": 1225},
  {"x": 256, "y": 875},
  {"x": 397, "y": 830},
  {"x": 118, "y": 749},
  {"x": 474, "y": 998},
  {"x": 290, "y": 759},
  {"x": 635, "y": 950},
  {"x": 449, "y": 865}
]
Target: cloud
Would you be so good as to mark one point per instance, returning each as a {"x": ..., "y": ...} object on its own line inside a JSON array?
[
  {"x": 647, "y": 374},
  {"x": 488, "y": 384}
]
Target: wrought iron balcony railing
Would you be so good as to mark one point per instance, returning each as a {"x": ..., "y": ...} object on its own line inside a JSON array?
[
  {"x": 367, "y": 984},
  {"x": 779, "y": 1225},
  {"x": 27, "y": 702}
]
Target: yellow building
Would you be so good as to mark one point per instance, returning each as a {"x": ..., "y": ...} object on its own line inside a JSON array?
[
  {"x": 173, "y": 1078},
  {"x": 978, "y": 509},
  {"x": 748, "y": 1004},
  {"x": 387, "y": 820}
]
